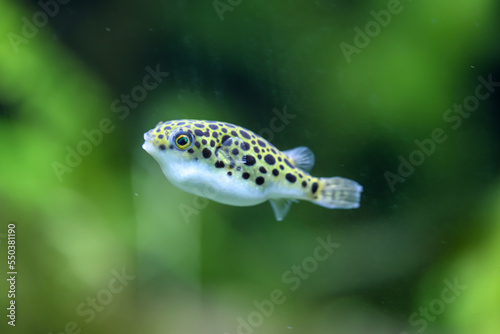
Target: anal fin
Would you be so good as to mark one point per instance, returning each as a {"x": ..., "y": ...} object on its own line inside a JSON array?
[{"x": 281, "y": 206}]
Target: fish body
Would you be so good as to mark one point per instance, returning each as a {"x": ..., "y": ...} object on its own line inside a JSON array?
[{"x": 232, "y": 165}]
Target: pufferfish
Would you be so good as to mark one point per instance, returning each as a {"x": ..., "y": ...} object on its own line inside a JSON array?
[{"x": 234, "y": 166}]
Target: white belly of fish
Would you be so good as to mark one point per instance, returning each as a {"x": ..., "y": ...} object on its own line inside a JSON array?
[{"x": 202, "y": 180}]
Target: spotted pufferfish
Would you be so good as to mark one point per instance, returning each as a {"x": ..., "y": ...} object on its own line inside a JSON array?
[{"x": 234, "y": 166}]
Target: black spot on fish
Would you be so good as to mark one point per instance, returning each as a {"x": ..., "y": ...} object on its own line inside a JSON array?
[
  {"x": 206, "y": 153},
  {"x": 249, "y": 160},
  {"x": 234, "y": 134},
  {"x": 261, "y": 143},
  {"x": 246, "y": 175},
  {"x": 245, "y": 146},
  {"x": 197, "y": 144},
  {"x": 198, "y": 133},
  {"x": 229, "y": 125},
  {"x": 281, "y": 167},
  {"x": 219, "y": 164},
  {"x": 160, "y": 136},
  {"x": 204, "y": 141},
  {"x": 235, "y": 151},
  {"x": 213, "y": 126},
  {"x": 191, "y": 150},
  {"x": 198, "y": 125},
  {"x": 304, "y": 184},
  {"x": 224, "y": 130},
  {"x": 314, "y": 187},
  {"x": 270, "y": 159},
  {"x": 181, "y": 123},
  {"x": 163, "y": 147},
  {"x": 229, "y": 173},
  {"x": 171, "y": 147},
  {"x": 245, "y": 134},
  {"x": 262, "y": 170},
  {"x": 290, "y": 177},
  {"x": 215, "y": 135},
  {"x": 276, "y": 172},
  {"x": 289, "y": 163},
  {"x": 225, "y": 141},
  {"x": 259, "y": 180},
  {"x": 256, "y": 149},
  {"x": 212, "y": 143}
]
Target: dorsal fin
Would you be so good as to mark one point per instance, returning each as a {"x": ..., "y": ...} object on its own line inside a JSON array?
[{"x": 302, "y": 157}]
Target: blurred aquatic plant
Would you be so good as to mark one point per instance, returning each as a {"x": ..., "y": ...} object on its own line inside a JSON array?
[{"x": 114, "y": 209}]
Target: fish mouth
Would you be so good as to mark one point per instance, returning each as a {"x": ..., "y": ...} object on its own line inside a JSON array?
[
  {"x": 147, "y": 136},
  {"x": 148, "y": 145}
]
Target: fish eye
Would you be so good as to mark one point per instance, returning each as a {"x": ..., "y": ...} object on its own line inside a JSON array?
[{"x": 183, "y": 141}]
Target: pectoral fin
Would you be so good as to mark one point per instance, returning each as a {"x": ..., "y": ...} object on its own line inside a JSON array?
[{"x": 231, "y": 152}]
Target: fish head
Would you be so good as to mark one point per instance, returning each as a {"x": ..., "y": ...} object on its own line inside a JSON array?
[{"x": 170, "y": 142}]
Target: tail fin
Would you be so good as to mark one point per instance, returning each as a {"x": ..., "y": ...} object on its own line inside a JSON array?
[{"x": 338, "y": 193}]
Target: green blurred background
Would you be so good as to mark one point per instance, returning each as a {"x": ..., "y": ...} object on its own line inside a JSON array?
[{"x": 189, "y": 266}]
